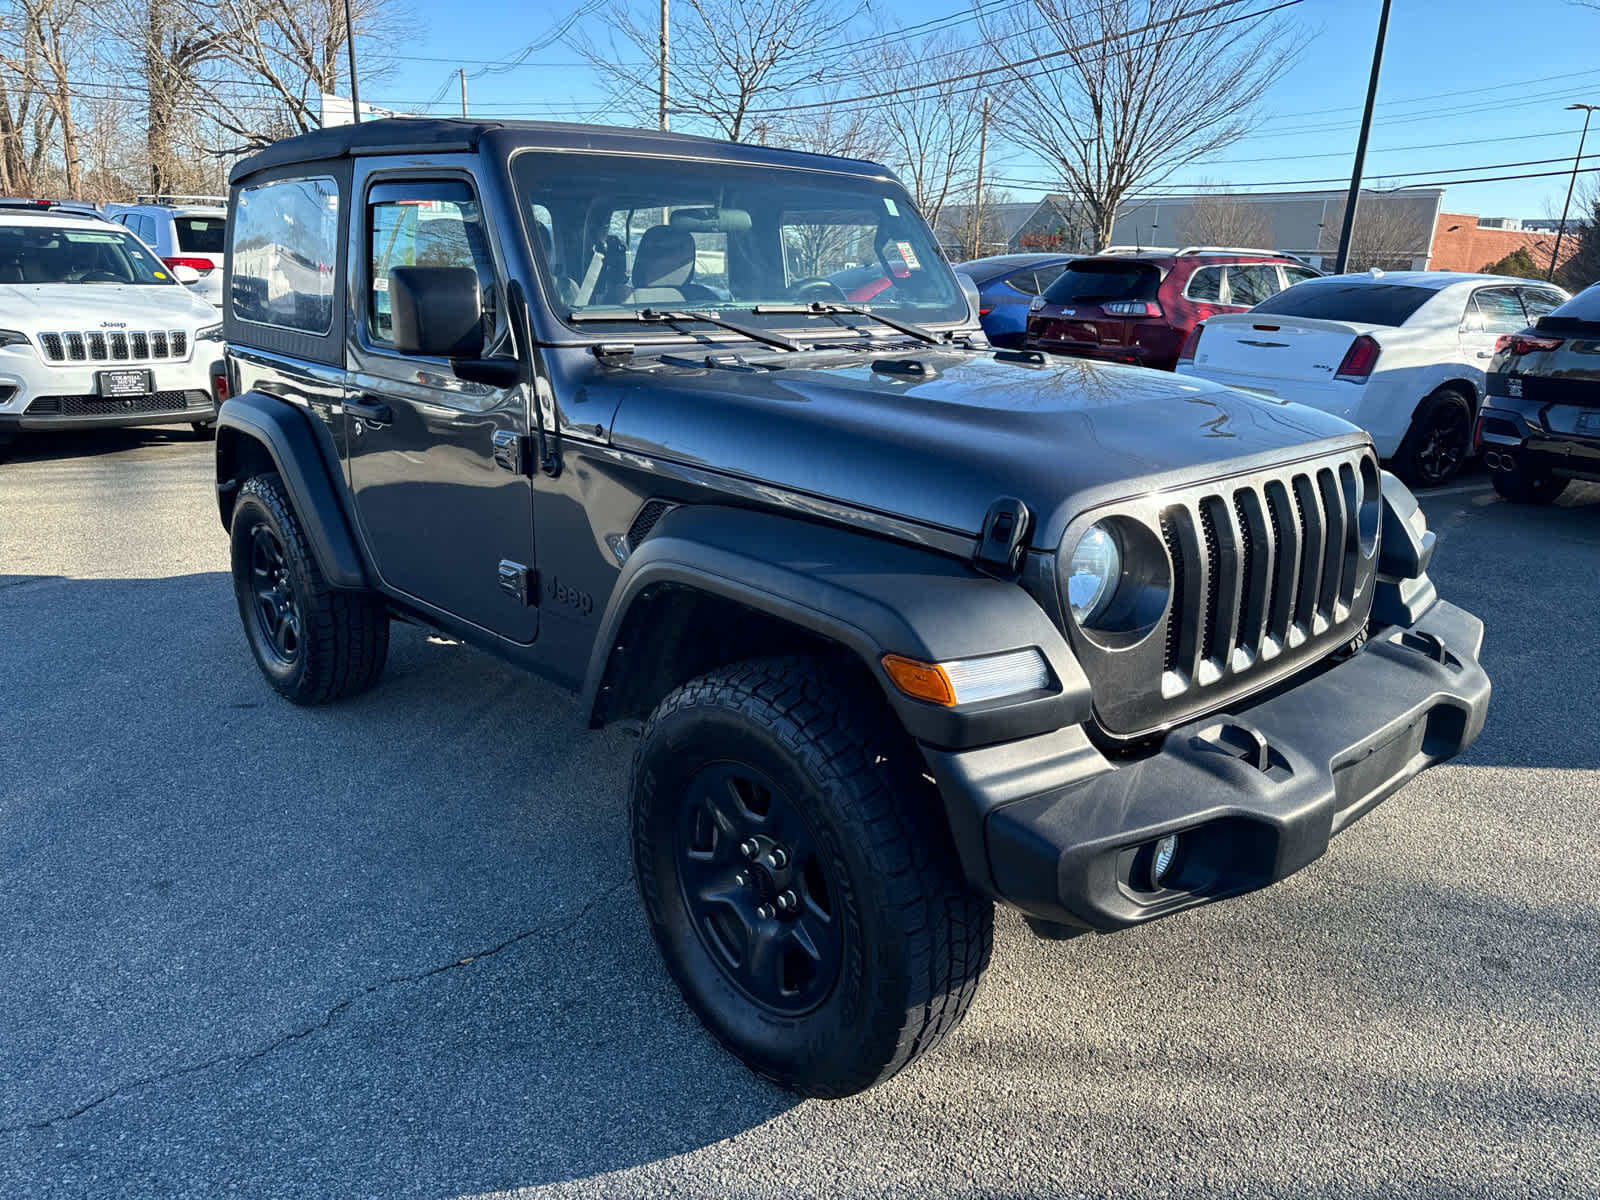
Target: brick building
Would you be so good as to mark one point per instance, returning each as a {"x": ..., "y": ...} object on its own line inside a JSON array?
[{"x": 1462, "y": 242}]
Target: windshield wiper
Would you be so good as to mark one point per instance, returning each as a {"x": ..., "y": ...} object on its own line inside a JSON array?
[
  {"x": 822, "y": 309},
  {"x": 679, "y": 317}
]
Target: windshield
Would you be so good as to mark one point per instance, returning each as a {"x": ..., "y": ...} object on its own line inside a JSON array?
[
  {"x": 616, "y": 235},
  {"x": 1335, "y": 300},
  {"x": 201, "y": 235},
  {"x": 1083, "y": 282},
  {"x": 88, "y": 254}
]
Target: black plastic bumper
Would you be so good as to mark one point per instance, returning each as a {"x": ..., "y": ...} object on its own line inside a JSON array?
[
  {"x": 1252, "y": 796},
  {"x": 11, "y": 423},
  {"x": 1514, "y": 428}
]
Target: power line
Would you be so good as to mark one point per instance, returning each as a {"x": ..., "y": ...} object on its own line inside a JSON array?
[{"x": 980, "y": 74}]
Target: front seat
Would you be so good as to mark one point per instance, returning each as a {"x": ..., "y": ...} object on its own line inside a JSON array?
[{"x": 663, "y": 268}]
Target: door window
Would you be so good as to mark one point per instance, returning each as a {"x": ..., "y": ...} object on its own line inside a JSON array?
[
  {"x": 1539, "y": 301},
  {"x": 1294, "y": 275},
  {"x": 1499, "y": 310},
  {"x": 1026, "y": 282},
  {"x": 1252, "y": 283},
  {"x": 425, "y": 223}
]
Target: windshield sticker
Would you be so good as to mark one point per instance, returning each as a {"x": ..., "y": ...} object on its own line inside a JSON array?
[
  {"x": 159, "y": 274},
  {"x": 910, "y": 255},
  {"x": 889, "y": 204}
]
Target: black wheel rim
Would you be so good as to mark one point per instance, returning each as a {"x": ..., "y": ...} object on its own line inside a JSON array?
[
  {"x": 1444, "y": 444},
  {"x": 278, "y": 625},
  {"x": 757, "y": 890}
]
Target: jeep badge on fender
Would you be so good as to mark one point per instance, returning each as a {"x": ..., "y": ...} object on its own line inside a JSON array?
[{"x": 906, "y": 625}]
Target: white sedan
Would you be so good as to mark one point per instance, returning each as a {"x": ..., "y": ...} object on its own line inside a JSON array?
[{"x": 1401, "y": 354}]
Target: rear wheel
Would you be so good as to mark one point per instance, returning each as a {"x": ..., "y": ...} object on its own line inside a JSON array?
[
  {"x": 314, "y": 643},
  {"x": 1438, "y": 442},
  {"x": 1520, "y": 485},
  {"x": 798, "y": 876}
]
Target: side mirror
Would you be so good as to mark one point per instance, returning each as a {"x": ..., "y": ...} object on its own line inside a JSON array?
[
  {"x": 436, "y": 312},
  {"x": 185, "y": 274}
]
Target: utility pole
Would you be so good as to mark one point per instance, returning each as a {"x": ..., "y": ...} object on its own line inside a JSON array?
[
  {"x": 350, "y": 44},
  {"x": 983, "y": 147},
  {"x": 663, "y": 88},
  {"x": 462, "y": 71},
  {"x": 1361, "y": 147},
  {"x": 1555, "y": 255}
]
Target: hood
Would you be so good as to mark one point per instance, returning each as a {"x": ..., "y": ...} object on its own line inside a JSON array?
[
  {"x": 941, "y": 446},
  {"x": 53, "y": 307}
]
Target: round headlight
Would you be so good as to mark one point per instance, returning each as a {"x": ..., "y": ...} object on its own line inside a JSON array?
[{"x": 1092, "y": 574}]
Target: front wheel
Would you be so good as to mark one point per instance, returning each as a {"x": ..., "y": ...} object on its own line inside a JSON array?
[
  {"x": 314, "y": 643},
  {"x": 798, "y": 876},
  {"x": 1438, "y": 442}
]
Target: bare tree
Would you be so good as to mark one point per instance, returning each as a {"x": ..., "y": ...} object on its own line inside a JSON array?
[
  {"x": 974, "y": 229},
  {"x": 23, "y": 106},
  {"x": 729, "y": 57},
  {"x": 1221, "y": 219},
  {"x": 1392, "y": 232},
  {"x": 1119, "y": 94},
  {"x": 932, "y": 132}
]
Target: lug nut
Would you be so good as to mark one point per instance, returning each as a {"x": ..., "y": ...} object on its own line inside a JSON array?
[
  {"x": 786, "y": 901},
  {"x": 766, "y": 912},
  {"x": 742, "y": 879},
  {"x": 779, "y": 858},
  {"x": 749, "y": 847}
]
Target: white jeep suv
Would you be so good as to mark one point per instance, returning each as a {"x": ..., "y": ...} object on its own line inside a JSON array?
[{"x": 95, "y": 330}]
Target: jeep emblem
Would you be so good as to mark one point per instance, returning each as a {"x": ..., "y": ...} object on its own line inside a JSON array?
[{"x": 113, "y": 324}]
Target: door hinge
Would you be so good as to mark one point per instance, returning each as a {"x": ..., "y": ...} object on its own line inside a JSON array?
[
  {"x": 511, "y": 451},
  {"x": 520, "y": 581}
]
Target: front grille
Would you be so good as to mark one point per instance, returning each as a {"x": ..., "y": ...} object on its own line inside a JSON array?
[
  {"x": 1268, "y": 571},
  {"x": 140, "y": 345},
  {"x": 103, "y": 406}
]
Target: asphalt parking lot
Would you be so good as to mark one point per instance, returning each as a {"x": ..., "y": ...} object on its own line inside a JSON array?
[{"x": 391, "y": 948}]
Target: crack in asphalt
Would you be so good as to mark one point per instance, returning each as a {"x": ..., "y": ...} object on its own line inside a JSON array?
[{"x": 247, "y": 1056}]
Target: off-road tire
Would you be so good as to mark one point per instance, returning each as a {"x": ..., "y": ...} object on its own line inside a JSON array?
[
  {"x": 343, "y": 636},
  {"x": 1521, "y": 486},
  {"x": 915, "y": 937},
  {"x": 1438, "y": 442}
]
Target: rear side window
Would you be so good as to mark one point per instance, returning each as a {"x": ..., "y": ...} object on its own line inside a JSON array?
[
  {"x": 1341, "y": 300},
  {"x": 201, "y": 235},
  {"x": 1299, "y": 274},
  {"x": 1253, "y": 282},
  {"x": 1026, "y": 282},
  {"x": 285, "y": 249},
  {"x": 1092, "y": 282},
  {"x": 1539, "y": 301}
]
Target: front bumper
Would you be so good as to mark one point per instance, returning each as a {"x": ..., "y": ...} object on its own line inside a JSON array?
[
  {"x": 40, "y": 396},
  {"x": 1253, "y": 795},
  {"x": 195, "y": 407}
]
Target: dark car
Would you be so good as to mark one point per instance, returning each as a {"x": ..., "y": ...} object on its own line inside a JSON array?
[
  {"x": 1539, "y": 427},
  {"x": 905, "y": 625},
  {"x": 1007, "y": 284},
  {"x": 1139, "y": 307}
]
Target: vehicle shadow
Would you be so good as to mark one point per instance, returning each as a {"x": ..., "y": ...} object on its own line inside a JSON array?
[
  {"x": 49, "y": 445},
  {"x": 389, "y": 947}
]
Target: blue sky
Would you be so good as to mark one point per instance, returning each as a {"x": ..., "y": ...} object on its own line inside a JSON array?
[{"x": 1473, "y": 84}]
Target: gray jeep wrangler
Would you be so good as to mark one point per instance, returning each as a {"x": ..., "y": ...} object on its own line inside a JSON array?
[{"x": 710, "y": 434}]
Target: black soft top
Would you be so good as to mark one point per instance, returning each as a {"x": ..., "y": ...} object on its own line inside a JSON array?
[{"x": 425, "y": 135}]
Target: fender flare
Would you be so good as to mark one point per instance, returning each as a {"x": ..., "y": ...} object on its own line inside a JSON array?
[
  {"x": 871, "y": 597},
  {"x": 285, "y": 433}
]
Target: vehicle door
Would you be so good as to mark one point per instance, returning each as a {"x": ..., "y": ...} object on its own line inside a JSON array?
[
  {"x": 1491, "y": 312},
  {"x": 443, "y": 494}
]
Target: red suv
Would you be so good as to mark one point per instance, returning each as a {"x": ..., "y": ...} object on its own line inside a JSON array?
[{"x": 1139, "y": 306}]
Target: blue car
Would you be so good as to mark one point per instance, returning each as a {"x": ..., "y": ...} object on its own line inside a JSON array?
[{"x": 1006, "y": 285}]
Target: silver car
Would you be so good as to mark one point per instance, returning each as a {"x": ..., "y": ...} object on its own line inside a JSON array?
[{"x": 187, "y": 231}]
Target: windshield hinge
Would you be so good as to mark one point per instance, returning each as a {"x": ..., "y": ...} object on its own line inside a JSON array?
[
  {"x": 1005, "y": 533},
  {"x": 613, "y": 350}
]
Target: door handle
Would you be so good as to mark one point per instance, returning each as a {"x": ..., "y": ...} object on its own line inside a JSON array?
[
  {"x": 369, "y": 409},
  {"x": 1485, "y": 353}
]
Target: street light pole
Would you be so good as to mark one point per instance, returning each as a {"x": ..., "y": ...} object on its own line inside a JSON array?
[
  {"x": 1343, "y": 258},
  {"x": 1555, "y": 255}
]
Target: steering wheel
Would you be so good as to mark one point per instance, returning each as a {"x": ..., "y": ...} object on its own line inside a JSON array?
[
  {"x": 817, "y": 287},
  {"x": 101, "y": 277}
]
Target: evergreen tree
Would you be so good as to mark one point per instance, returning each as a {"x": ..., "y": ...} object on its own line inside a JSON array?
[{"x": 1519, "y": 263}]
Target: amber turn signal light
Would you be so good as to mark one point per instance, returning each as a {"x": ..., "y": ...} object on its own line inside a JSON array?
[{"x": 919, "y": 680}]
